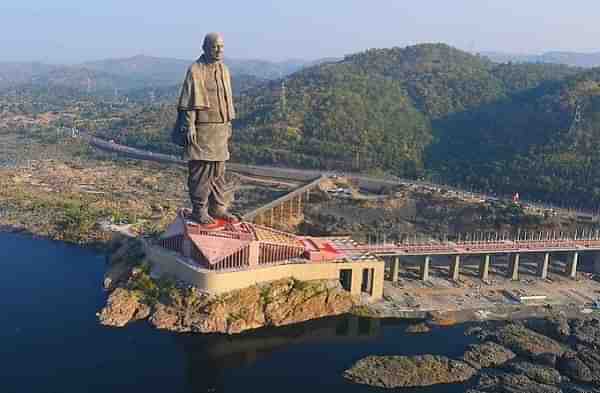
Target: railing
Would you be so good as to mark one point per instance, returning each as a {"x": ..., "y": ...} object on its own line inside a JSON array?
[{"x": 478, "y": 247}]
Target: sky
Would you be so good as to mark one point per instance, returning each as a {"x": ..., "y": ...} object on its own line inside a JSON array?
[{"x": 70, "y": 31}]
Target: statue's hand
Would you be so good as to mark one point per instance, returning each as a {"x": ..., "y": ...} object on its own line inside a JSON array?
[{"x": 191, "y": 136}]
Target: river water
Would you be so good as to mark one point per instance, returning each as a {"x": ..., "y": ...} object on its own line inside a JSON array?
[{"x": 50, "y": 340}]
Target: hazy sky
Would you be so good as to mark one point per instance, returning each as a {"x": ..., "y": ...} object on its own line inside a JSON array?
[{"x": 77, "y": 30}]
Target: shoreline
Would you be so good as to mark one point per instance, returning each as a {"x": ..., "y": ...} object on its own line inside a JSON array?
[{"x": 99, "y": 246}]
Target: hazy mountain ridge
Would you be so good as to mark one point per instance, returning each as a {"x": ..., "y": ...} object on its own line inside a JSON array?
[
  {"x": 136, "y": 72},
  {"x": 574, "y": 59}
]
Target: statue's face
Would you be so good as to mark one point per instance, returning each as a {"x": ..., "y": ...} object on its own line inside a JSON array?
[{"x": 215, "y": 49}]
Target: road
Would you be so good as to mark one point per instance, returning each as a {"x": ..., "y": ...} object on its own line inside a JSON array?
[{"x": 367, "y": 183}]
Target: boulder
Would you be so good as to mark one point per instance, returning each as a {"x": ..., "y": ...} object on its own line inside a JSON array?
[
  {"x": 493, "y": 382},
  {"x": 586, "y": 331},
  {"x": 581, "y": 366},
  {"x": 573, "y": 388},
  {"x": 527, "y": 343},
  {"x": 574, "y": 368},
  {"x": 556, "y": 327},
  {"x": 408, "y": 371},
  {"x": 541, "y": 374},
  {"x": 546, "y": 359},
  {"x": 418, "y": 328},
  {"x": 122, "y": 307},
  {"x": 488, "y": 354}
]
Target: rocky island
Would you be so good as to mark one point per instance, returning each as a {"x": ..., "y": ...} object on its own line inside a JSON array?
[{"x": 175, "y": 306}]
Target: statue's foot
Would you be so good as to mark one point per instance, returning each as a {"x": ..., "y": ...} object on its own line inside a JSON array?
[
  {"x": 222, "y": 213},
  {"x": 202, "y": 217}
]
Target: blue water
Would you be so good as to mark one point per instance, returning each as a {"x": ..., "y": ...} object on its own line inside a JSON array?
[{"x": 50, "y": 340}]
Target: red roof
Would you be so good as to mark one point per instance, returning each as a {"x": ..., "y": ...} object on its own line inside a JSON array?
[{"x": 216, "y": 249}]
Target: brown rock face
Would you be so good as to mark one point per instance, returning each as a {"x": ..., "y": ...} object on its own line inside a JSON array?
[
  {"x": 408, "y": 371},
  {"x": 290, "y": 301},
  {"x": 276, "y": 304},
  {"x": 123, "y": 306}
]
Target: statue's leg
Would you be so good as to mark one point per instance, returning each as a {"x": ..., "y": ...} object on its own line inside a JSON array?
[
  {"x": 217, "y": 200},
  {"x": 199, "y": 186}
]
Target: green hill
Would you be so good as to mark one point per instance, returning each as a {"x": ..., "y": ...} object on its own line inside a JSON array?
[
  {"x": 390, "y": 110},
  {"x": 432, "y": 110}
]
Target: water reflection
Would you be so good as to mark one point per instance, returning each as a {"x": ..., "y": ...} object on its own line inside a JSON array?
[{"x": 208, "y": 357}]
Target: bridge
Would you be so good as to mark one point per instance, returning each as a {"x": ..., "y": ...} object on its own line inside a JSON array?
[
  {"x": 286, "y": 209},
  {"x": 544, "y": 246}
]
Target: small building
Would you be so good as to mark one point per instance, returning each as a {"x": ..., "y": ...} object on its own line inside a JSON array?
[{"x": 227, "y": 256}]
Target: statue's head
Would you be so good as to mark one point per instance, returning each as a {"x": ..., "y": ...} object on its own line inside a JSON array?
[{"x": 213, "y": 47}]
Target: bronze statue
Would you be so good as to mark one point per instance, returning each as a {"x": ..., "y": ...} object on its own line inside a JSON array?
[{"x": 205, "y": 112}]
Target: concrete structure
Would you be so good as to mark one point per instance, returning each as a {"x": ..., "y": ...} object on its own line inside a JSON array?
[
  {"x": 425, "y": 268},
  {"x": 513, "y": 266},
  {"x": 572, "y": 266},
  {"x": 484, "y": 268},
  {"x": 455, "y": 268},
  {"x": 287, "y": 209},
  {"x": 544, "y": 266},
  {"x": 230, "y": 256},
  {"x": 487, "y": 250}
]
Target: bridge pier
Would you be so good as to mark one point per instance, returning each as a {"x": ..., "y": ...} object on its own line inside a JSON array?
[
  {"x": 484, "y": 268},
  {"x": 572, "y": 266},
  {"x": 425, "y": 268},
  {"x": 455, "y": 268},
  {"x": 596, "y": 257},
  {"x": 543, "y": 266},
  {"x": 513, "y": 267},
  {"x": 395, "y": 269},
  {"x": 356, "y": 282}
]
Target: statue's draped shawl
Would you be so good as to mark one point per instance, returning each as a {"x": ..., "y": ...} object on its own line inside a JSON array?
[{"x": 193, "y": 92}]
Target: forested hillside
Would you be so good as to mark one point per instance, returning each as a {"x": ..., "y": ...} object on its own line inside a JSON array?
[{"x": 432, "y": 110}]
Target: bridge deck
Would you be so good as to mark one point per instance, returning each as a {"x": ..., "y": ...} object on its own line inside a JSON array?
[{"x": 464, "y": 248}]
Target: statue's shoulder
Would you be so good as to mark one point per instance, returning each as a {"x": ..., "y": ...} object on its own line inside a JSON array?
[{"x": 196, "y": 66}]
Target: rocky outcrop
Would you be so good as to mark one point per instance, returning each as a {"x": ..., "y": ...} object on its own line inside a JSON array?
[
  {"x": 525, "y": 342},
  {"x": 535, "y": 372},
  {"x": 418, "y": 328},
  {"x": 581, "y": 366},
  {"x": 488, "y": 354},
  {"x": 408, "y": 371},
  {"x": 125, "y": 255},
  {"x": 573, "y": 388},
  {"x": 587, "y": 331},
  {"x": 123, "y": 306},
  {"x": 511, "y": 383},
  {"x": 556, "y": 327},
  {"x": 535, "y": 356},
  {"x": 278, "y": 303}
]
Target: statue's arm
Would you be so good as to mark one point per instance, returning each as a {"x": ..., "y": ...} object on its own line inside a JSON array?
[{"x": 189, "y": 124}]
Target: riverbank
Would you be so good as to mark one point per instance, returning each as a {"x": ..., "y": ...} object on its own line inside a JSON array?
[{"x": 54, "y": 192}]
